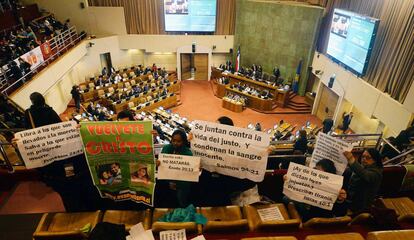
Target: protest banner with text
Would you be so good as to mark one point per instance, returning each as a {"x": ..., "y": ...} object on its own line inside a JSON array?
[
  {"x": 331, "y": 148},
  {"x": 178, "y": 167},
  {"x": 311, "y": 186},
  {"x": 121, "y": 159},
  {"x": 44, "y": 145},
  {"x": 232, "y": 151}
]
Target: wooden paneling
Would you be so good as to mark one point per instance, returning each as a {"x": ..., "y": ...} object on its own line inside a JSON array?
[
  {"x": 185, "y": 66},
  {"x": 329, "y": 100},
  {"x": 201, "y": 66}
]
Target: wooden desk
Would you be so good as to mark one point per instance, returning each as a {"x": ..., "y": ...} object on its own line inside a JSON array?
[
  {"x": 215, "y": 73},
  {"x": 280, "y": 96},
  {"x": 93, "y": 94},
  {"x": 119, "y": 71},
  {"x": 141, "y": 98},
  {"x": 169, "y": 102},
  {"x": 232, "y": 106},
  {"x": 254, "y": 102},
  {"x": 221, "y": 90}
]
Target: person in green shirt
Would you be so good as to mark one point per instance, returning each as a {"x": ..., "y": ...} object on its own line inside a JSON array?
[{"x": 180, "y": 146}]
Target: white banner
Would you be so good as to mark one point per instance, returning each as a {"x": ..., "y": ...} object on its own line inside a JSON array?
[
  {"x": 331, "y": 148},
  {"x": 311, "y": 186},
  {"x": 232, "y": 151},
  {"x": 179, "y": 167},
  {"x": 43, "y": 145},
  {"x": 34, "y": 57}
]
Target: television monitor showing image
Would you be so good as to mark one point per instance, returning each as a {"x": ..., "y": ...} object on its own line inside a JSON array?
[
  {"x": 351, "y": 40},
  {"x": 190, "y": 15}
]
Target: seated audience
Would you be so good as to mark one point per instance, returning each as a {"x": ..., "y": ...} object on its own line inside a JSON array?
[{"x": 125, "y": 115}]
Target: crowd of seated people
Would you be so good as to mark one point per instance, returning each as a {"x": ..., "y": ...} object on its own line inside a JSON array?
[
  {"x": 223, "y": 80},
  {"x": 117, "y": 84},
  {"x": 255, "y": 72},
  {"x": 357, "y": 194},
  {"x": 236, "y": 98},
  {"x": 116, "y": 75},
  {"x": 15, "y": 43},
  {"x": 121, "y": 95},
  {"x": 98, "y": 112},
  {"x": 251, "y": 90}
]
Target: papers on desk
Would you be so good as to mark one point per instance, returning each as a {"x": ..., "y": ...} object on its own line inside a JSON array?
[
  {"x": 138, "y": 232},
  {"x": 270, "y": 214},
  {"x": 173, "y": 235},
  {"x": 199, "y": 237}
]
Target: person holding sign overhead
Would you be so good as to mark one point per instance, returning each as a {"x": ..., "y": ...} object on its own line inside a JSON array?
[
  {"x": 180, "y": 189},
  {"x": 219, "y": 190},
  {"x": 307, "y": 211},
  {"x": 365, "y": 180},
  {"x": 69, "y": 177}
]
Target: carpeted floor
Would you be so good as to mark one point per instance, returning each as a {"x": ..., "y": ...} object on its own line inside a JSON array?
[{"x": 199, "y": 103}]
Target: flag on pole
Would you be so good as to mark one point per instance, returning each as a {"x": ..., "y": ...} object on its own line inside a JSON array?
[
  {"x": 237, "y": 60},
  {"x": 297, "y": 77}
]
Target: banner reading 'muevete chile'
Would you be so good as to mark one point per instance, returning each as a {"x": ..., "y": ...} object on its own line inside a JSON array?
[{"x": 121, "y": 159}]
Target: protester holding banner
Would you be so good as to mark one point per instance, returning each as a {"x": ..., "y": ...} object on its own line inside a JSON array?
[
  {"x": 307, "y": 211},
  {"x": 217, "y": 189},
  {"x": 70, "y": 177},
  {"x": 39, "y": 114},
  {"x": 365, "y": 180},
  {"x": 181, "y": 190}
]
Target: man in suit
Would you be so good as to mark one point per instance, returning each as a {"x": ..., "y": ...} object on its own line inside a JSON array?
[
  {"x": 276, "y": 72},
  {"x": 104, "y": 71},
  {"x": 346, "y": 121},
  {"x": 327, "y": 124}
]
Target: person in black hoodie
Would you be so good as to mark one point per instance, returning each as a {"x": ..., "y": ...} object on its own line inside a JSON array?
[
  {"x": 40, "y": 114},
  {"x": 70, "y": 177}
]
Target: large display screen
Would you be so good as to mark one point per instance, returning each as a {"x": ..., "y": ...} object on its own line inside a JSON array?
[
  {"x": 190, "y": 15},
  {"x": 351, "y": 40}
]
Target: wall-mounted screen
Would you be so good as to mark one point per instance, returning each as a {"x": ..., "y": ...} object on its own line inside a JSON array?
[
  {"x": 190, "y": 15},
  {"x": 351, "y": 40}
]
